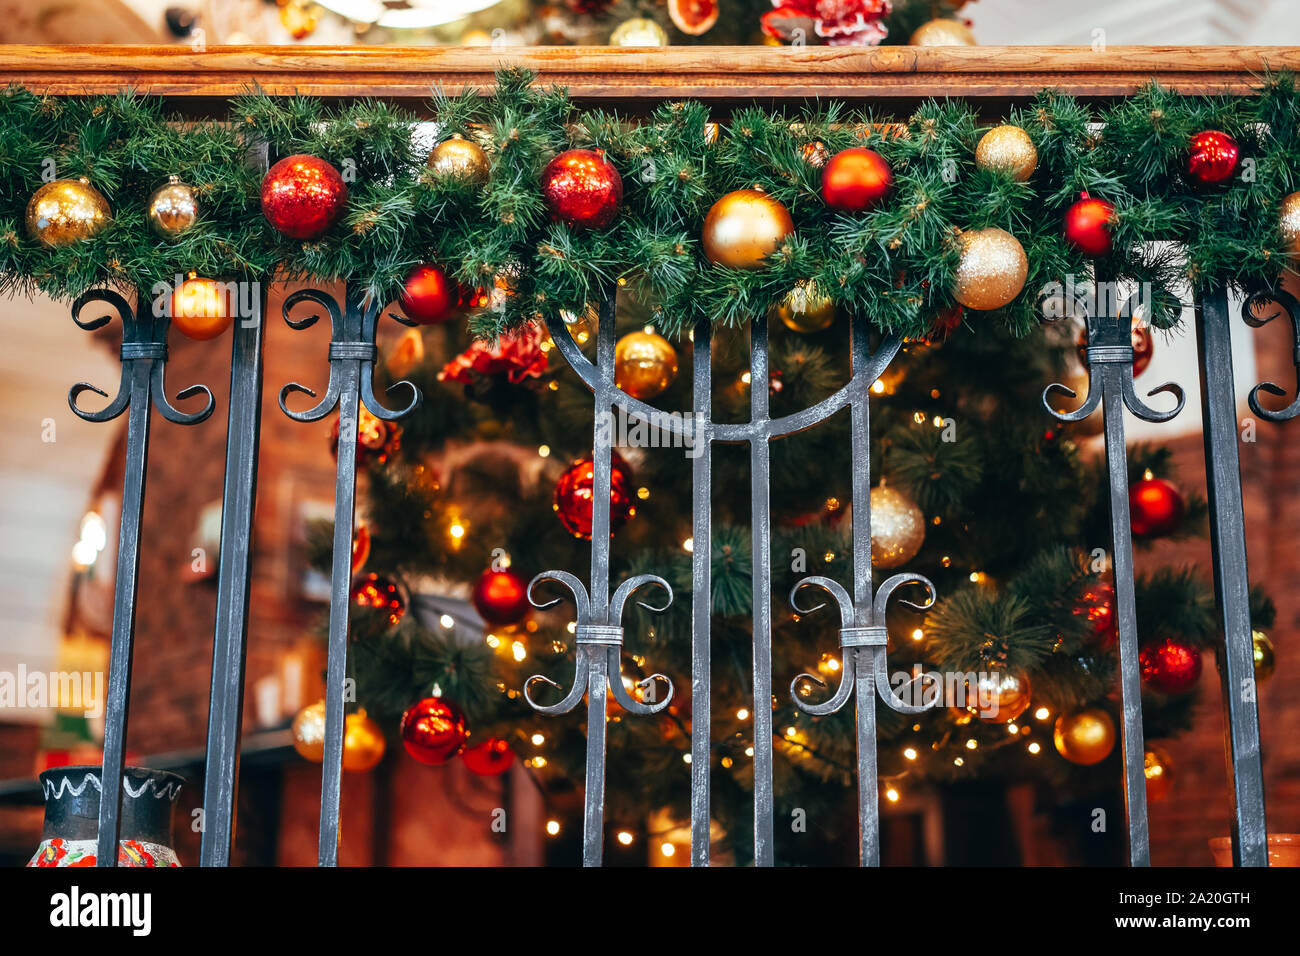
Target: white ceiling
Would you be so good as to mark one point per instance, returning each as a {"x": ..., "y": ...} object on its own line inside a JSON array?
[{"x": 1128, "y": 22}]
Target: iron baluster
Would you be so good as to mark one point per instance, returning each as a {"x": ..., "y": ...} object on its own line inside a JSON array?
[
  {"x": 1228, "y": 548},
  {"x": 863, "y": 637},
  {"x": 352, "y": 355},
  {"x": 701, "y": 591},
  {"x": 599, "y": 630},
  {"x": 225, "y": 709},
  {"x": 144, "y": 359},
  {"x": 1110, "y": 384},
  {"x": 761, "y": 532}
]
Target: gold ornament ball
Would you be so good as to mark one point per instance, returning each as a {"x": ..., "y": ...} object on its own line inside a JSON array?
[
  {"x": 638, "y": 32},
  {"x": 1007, "y": 149},
  {"x": 644, "y": 364},
  {"x": 805, "y": 309},
  {"x": 459, "y": 158},
  {"x": 363, "y": 743},
  {"x": 1009, "y": 693},
  {"x": 66, "y": 211},
  {"x": 1265, "y": 661},
  {"x": 308, "y": 732},
  {"x": 1085, "y": 737},
  {"x": 992, "y": 269},
  {"x": 1159, "y": 771},
  {"x": 897, "y": 527},
  {"x": 1289, "y": 223},
  {"x": 744, "y": 227},
  {"x": 942, "y": 32},
  {"x": 173, "y": 209}
]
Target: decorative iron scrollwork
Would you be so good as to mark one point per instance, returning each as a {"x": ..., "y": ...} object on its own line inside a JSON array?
[{"x": 1250, "y": 314}]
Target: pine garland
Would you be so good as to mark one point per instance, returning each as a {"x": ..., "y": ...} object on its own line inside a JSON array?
[{"x": 893, "y": 265}]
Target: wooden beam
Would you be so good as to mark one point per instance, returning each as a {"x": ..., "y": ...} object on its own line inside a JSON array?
[{"x": 628, "y": 76}]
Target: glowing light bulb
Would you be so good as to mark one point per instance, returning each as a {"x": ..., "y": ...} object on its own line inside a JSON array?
[
  {"x": 552, "y": 827},
  {"x": 910, "y": 753},
  {"x": 742, "y": 714},
  {"x": 447, "y": 621},
  {"x": 1042, "y": 713},
  {"x": 538, "y": 740},
  {"x": 624, "y": 838}
]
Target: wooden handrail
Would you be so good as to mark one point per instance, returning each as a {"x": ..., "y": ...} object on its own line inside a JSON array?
[{"x": 626, "y": 76}]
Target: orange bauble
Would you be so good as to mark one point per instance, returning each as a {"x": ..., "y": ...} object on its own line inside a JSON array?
[
  {"x": 201, "y": 308},
  {"x": 855, "y": 180}
]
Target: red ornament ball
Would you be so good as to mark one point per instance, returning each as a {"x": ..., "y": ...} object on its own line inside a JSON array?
[
  {"x": 360, "y": 547},
  {"x": 856, "y": 179},
  {"x": 433, "y": 731},
  {"x": 429, "y": 296},
  {"x": 501, "y": 597},
  {"x": 1098, "y": 603},
  {"x": 1171, "y": 667},
  {"x": 582, "y": 189},
  {"x": 490, "y": 758},
  {"x": 376, "y": 438},
  {"x": 376, "y": 592},
  {"x": 1144, "y": 346},
  {"x": 1213, "y": 157},
  {"x": 1087, "y": 226},
  {"x": 1156, "y": 507},
  {"x": 574, "y": 498},
  {"x": 302, "y": 196}
]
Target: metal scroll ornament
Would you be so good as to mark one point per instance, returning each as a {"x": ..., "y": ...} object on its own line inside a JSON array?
[{"x": 1256, "y": 313}]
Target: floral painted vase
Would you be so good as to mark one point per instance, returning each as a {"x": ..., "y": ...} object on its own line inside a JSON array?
[{"x": 72, "y": 817}]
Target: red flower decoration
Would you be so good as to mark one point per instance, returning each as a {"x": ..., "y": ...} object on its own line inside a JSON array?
[
  {"x": 838, "y": 22},
  {"x": 519, "y": 356}
]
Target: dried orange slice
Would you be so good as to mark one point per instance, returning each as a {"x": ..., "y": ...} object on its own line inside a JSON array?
[{"x": 693, "y": 17}]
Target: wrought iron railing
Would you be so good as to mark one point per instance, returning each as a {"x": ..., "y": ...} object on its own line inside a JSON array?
[{"x": 351, "y": 357}]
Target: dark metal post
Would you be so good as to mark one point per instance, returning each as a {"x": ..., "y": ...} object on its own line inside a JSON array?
[
  {"x": 701, "y": 437},
  {"x": 144, "y": 358},
  {"x": 352, "y": 355},
  {"x": 761, "y": 532},
  {"x": 1110, "y": 383},
  {"x": 230, "y": 638},
  {"x": 1231, "y": 581}
]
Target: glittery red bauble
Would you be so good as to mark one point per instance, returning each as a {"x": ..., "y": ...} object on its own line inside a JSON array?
[
  {"x": 302, "y": 196},
  {"x": 1171, "y": 667},
  {"x": 374, "y": 591},
  {"x": 360, "y": 547},
  {"x": 490, "y": 758},
  {"x": 1156, "y": 507},
  {"x": 1098, "y": 603},
  {"x": 856, "y": 179},
  {"x": 1087, "y": 226},
  {"x": 574, "y": 499},
  {"x": 433, "y": 731},
  {"x": 1212, "y": 158},
  {"x": 501, "y": 597},
  {"x": 429, "y": 296},
  {"x": 582, "y": 189}
]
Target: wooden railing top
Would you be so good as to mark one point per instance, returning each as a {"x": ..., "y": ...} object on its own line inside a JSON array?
[{"x": 604, "y": 74}]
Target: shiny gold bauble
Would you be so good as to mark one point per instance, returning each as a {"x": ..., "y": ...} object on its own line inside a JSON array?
[
  {"x": 65, "y": 211},
  {"x": 942, "y": 32},
  {"x": 1007, "y": 149},
  {"x": 805, "y": 309},
  {"x": 1289, "y": 223},
  {"x": 1086, "y": 736},
  {"x": 308, "y": 732},
  {"x": 363, "y": 743},
  {"x": 1008, "y": 693},
  {"x": 897, "y": 527},
  {"x": 1265, "y": 661},
  {"x": 644, "y": 364},
  {"x": 173, "y": 209},
  {"x": 992, "y": 269},
  {"x": 744, "y": 227},
  {"x": 459, "y": 158},
  {"x": 638, "y": 32},
  {"x": 1159, "y": 771}
]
